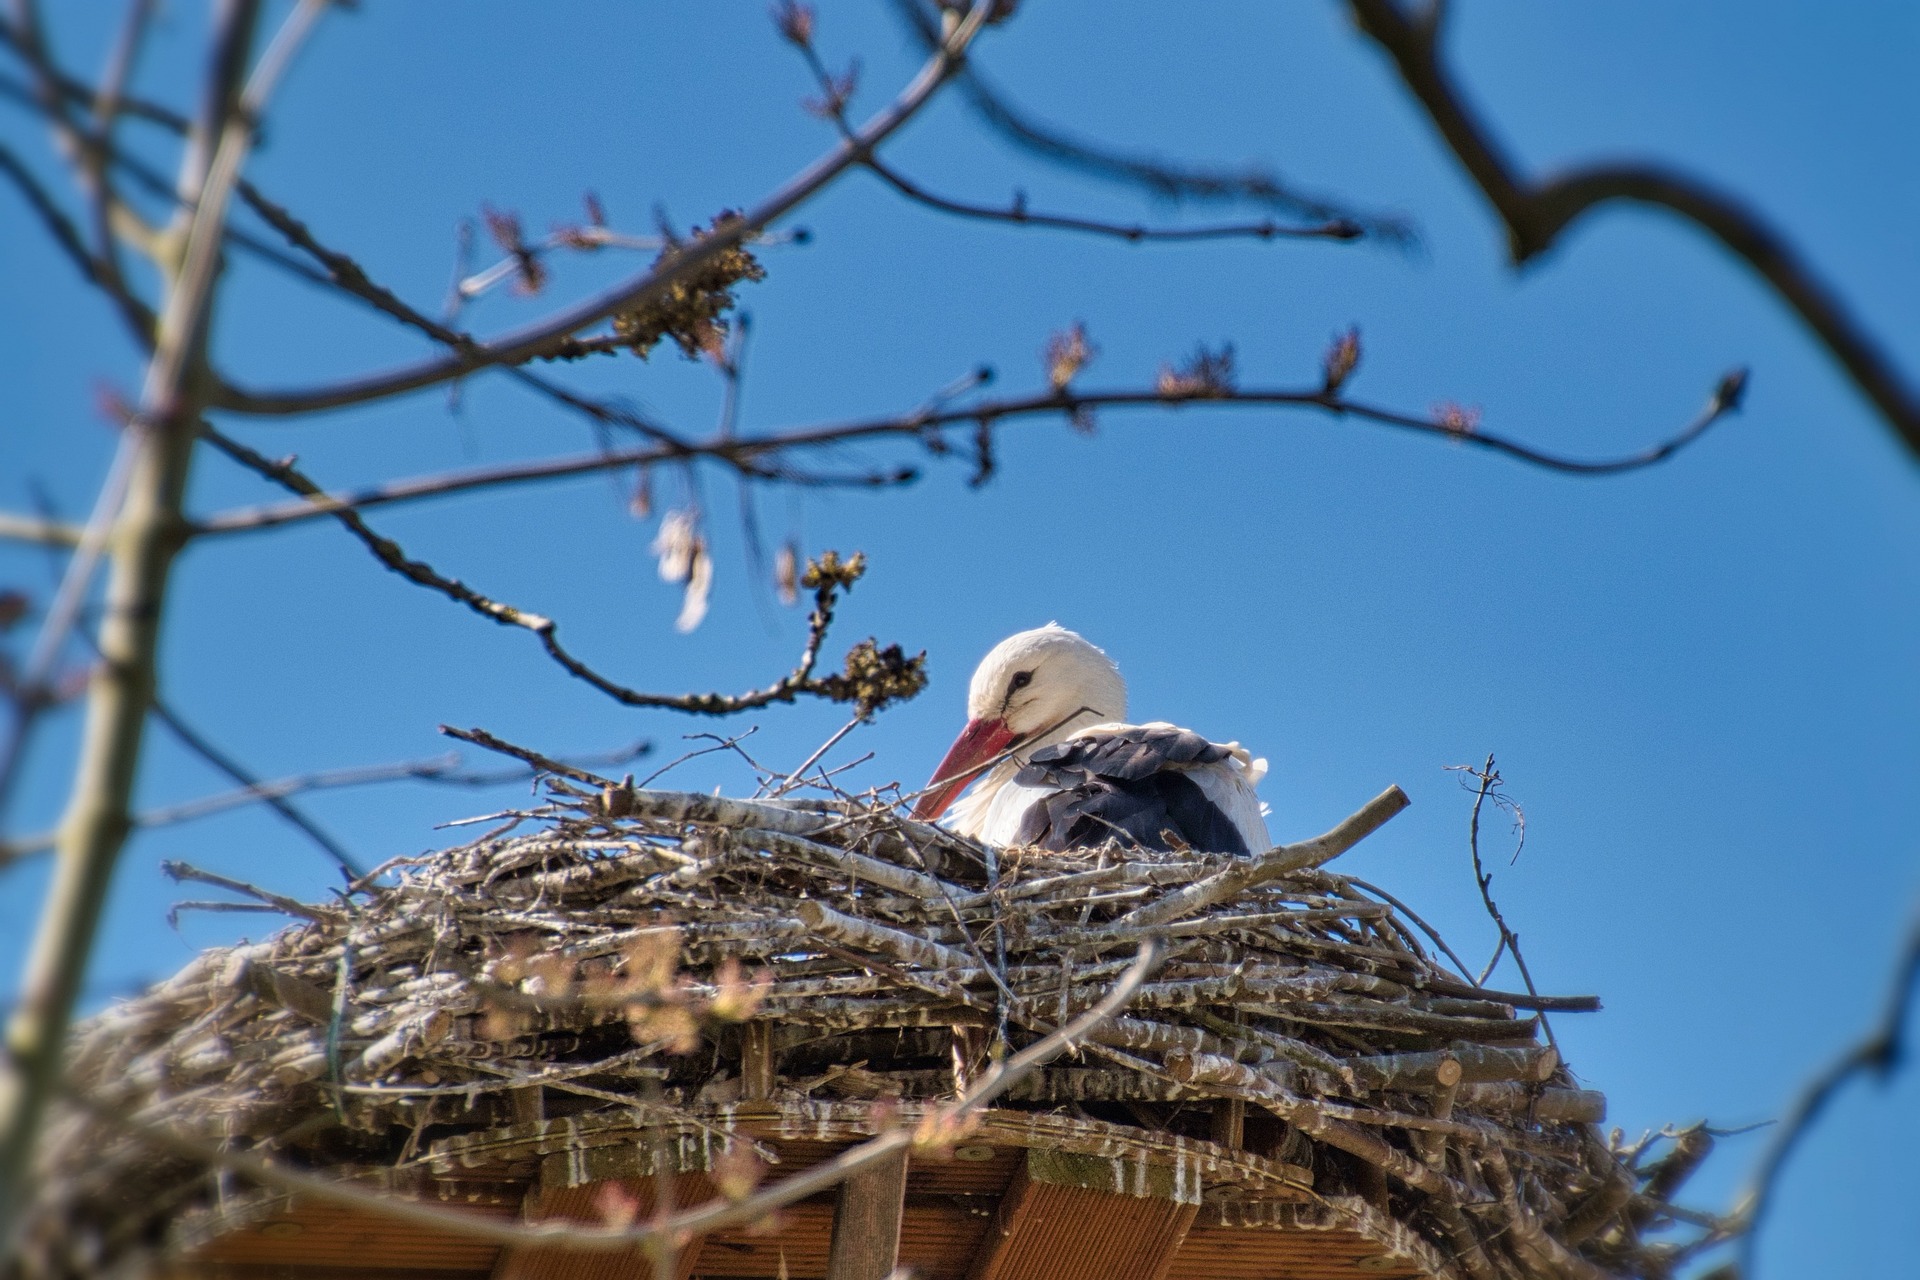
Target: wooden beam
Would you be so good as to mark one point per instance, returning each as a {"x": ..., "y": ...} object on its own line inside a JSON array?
[
  {"x": 1073, "y": 1217},
  {"x": 866, "y": 1222},
  {"x": 1229, "y": 1128},
  {"x": 756, "y": 1061},
  {"x": 556, "y": 1196}
]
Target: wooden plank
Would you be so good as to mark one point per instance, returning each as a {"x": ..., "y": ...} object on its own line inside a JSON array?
[
  {"x": 586, "y": 1202},
  {"x": 318, "y": 1235},
  {"x": 1339, "y": 1238},
  {"x": 866, "y": 1221},
  {"x": 287, "y": 1271},
  {"x": 1074, "y": 1217}
]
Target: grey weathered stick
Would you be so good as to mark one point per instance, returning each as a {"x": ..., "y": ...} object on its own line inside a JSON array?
[
  {"x": 1203, "y": 1068},
  {"x": 873, "y": 937},
  {"x": 884, "y": 874},
  {"x": 1270, "y": 865},
  {"x": 1478, "y": 1064},
  {"x": 1551, "y": 1106},
  {"x": 1528, "y": 1234}
]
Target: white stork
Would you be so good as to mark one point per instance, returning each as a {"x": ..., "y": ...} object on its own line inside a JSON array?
[{"x": 1058, "y": 766}]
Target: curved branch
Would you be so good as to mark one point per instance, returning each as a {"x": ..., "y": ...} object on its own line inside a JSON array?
[
  {"x": 745, "y": 451},
  {"x": 85, "y": 95},
  {"x": 1018, "y": 214},
  {"x": 528, "y": 342},
  {"x": 1880, "y": 1054},
  {"x": 882, "y": 675},
  {"x": 1536, "y": 213},
  {"x": 832, "y": 104},
  {"x": 1160, "y": 177}
]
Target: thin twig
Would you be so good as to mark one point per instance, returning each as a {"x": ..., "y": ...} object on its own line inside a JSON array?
[
  {"x": 348, "y": 276},
  {"x": 82, "y": 94},
  {"x": 58, "y": 224},
  {"x": 89, "y": 152},
  {"x": 180, "y": 872},
  {"x": 1433, "y": 935},
  {"x": 1018, "y": 214},
  {"x": 198, "y": 743},
  {"x": 787, "y": 783},
  {"x": 1489, "y": 781}
]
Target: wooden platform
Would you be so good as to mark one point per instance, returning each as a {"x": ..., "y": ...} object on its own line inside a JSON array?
[{"x": 1027, "y": 1196}]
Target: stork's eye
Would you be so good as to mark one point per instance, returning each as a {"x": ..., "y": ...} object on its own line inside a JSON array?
[{"x": 1021, "y": 679}]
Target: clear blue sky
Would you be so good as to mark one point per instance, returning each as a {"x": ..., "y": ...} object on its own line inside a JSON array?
[{"x": 1701, "y": 680}]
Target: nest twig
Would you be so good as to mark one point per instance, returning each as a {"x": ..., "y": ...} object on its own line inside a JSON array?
[{"x": 671, "y": 951}]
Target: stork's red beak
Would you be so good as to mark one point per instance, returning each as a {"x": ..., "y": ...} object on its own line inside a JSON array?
[{"x": 966, "y": 760}]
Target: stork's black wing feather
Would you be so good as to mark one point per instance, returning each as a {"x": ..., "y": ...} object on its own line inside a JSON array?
[{"x": 1130, "y": 786}]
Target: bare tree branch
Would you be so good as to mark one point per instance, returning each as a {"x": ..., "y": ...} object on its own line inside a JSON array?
[
  {"x": 151, "y": 181},
  {"x": 96, "y": 169},
  {"x": 873, "y": 677},
  {"x": 82, "y": 94},
  {"x": 530, "y": 341},
  {"x": 88, "y": 151},
  {"x": 921, "y": 424},
  {"x": 197, "y": 743},
  {"x": 15, "y": 527},
  {"x": 1018, "y": 214},
  {"x": 68, "y": 237},
  {"x": 444, "y": 770},
  {"x": 179, "y": 872},
  {"x": 347, "y": 275},
  {"x": 1535, "y": 213},
  {"x": 1167, "y": 179},
  {"x": 832, "y": 103},
  {"x": 147, "y": 537},
  {"x": 33, "y": 689},
  {"x": 1880, "y": 1055}
]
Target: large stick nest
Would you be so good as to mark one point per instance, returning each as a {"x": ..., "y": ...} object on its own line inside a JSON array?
[{"x": 620, "y": 955}]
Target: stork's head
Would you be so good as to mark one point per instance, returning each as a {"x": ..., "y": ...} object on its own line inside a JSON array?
[{"x": 1034, "y": 688}]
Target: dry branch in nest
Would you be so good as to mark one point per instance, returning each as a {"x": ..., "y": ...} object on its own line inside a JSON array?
[{"x": 670, "y": 960}]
